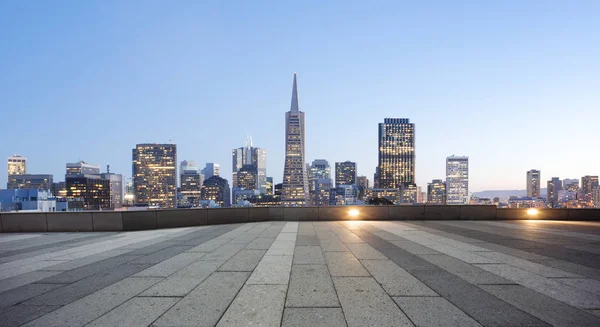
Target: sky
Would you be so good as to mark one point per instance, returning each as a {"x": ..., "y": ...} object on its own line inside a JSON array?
[{"x": 514, "y": 85}]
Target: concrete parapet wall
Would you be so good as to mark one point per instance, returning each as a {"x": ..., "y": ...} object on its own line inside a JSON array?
[
  {"x": 181, "y": 218},
  {"x": 406, "y": 212},
  {"x": 69, "y": 221},
  {"x": 541, "y": 214},
  {"x": 227, "y": 215},
  {"x": 482, "y": 212},
  {"x": 139, "y": 220},
  {"x": 300, "y": 213},
  {"x": 23, "y": 222},
  {"x": 153, "y": 219},
  {"x": 441, "y": 212},
  {"x": 107, "y": 221}
]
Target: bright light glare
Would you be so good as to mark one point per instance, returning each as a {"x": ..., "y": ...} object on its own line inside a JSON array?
[
  {"x": 353, "y": 213},
  {"x": 532, "y": 212}
]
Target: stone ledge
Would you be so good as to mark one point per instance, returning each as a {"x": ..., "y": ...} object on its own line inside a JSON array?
[{"x": 153, "y": 219}]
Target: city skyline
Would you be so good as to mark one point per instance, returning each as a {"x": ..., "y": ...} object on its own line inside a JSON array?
[{"x": 471, "y": 96}]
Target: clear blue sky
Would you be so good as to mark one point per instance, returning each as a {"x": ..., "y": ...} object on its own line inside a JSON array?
[{"x": 514, "y": 85}]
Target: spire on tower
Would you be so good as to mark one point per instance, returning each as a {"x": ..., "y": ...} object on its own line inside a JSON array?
[{"x": 295, "y": 107}]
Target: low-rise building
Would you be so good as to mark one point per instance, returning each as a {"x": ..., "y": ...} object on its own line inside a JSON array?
[
  {"x": 390, "y": 194},
  {"x": 30, "y": 181},
  {"x": 343, "y": 195},
  {"x": 526, "y": 202},
  {"x": 27, "y": 200}
]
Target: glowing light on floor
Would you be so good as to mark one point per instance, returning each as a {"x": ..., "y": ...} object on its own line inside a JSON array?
[
  {"x": 353, "y": 213},
  {"x": 532, "y": 212}
]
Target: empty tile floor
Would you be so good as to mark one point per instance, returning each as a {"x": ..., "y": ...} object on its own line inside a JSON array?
[{"x": 352, "y": 273}]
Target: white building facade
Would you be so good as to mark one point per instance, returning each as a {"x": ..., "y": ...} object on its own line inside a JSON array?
[{"x": 457, "y": 180}]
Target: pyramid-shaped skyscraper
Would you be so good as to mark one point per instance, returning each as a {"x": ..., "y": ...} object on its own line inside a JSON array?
[{"x": 294, "y": 192}]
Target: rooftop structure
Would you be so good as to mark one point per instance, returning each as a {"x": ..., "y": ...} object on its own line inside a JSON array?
[{"x": 168, "y": 278}]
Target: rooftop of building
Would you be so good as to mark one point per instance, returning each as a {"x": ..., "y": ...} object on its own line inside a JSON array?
[{"x": 310, "y": 273}]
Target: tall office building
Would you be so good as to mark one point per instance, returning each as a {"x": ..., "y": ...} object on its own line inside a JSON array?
[
  {"x": 217, "y": 189},
  {"x": 191, "y": 183},
  {"x": 362, "y": 182},
  {"x": 596, "y": 198},
  {"x": 588, "y": 184},
  {"x": 363, "y": 185},
  {"x": 345, "y": 173},
  {"x": 30, "y": 181},
  {"x": 319, "y": 169},
  {"x": 17, "y": 165},
  {"x": 571, "y": 185},
  {"x": 554, "y": 186},
  {"x": 457, "y": 180},
  {"x": 115, "y": 188},
  {"x": 436, "y": 192},
  {"x": 533, "y": 183},
  {"x": 295, "y": 179},
  {"x": 155, "y": 175},
  {"x": 59, "y": 189},
  {"x": 129, "y": 197},
  {"x": 83, "y": 182},
  {"x": 250, "y": 156},
  {"x": 188, "y": 165},
  {"x": 211, "y": 169},
  {"x": 421, "y": 196},
  {"x": 396, "y": 159},
  {"x": 409, "y": 194},
  {"x": 247, "y": 179},
  {"x": 323, "y": 187},
  {"x": 82, "y": 168},
  {"x": 270, "y": 186}
]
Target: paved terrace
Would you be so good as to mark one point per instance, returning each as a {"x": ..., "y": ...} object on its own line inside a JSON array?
[{"x": 352, "y": 273}]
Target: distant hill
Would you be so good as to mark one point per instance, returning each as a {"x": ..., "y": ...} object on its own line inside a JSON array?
[{"x": 504, "y": 194}]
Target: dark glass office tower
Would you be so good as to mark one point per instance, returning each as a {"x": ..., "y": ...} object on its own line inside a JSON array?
[
  {"x": 396, "y": 165},
  {"x": 155, "y": 175}
]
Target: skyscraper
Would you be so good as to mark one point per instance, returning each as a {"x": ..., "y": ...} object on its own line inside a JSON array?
[
  {"x": 457, "y": 180},
  {"x": 295, "y": 180},
  {"x": 554, "y": 186},
  {"x": 250, "y": 156},
  {"x": 30, "y": 181},
  {"x": 116, "y": 188},
  {"x": 216, "y": 188},
  {"x": 270, "y": 186},
  {"x": 323, "y": 187},
  {"x": 363, "y": 185},
  {"x": 247, "y": 178},
  {"x": 82, "y": 168},
  {"x": 588, "y": 184},
  {"x": 319, "y": 169},
  {"x": 155, "y": 175},
  {"x": 533, "y": 183},
  {"x": 571, "y": 185},
  {"x": 362, "y": 182},
  {"x": 17, "y": 165},
  {"x": 436, "y": 192},
  {"x": 409, "y": 194},
  {"x": 211, "y": 169},
  {"x": 191, "y": 183},
  {"x": 345, "y": 173},
  {"x": 83, "y": 182},
  {"x": 396, "y": 160}
]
